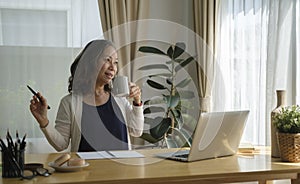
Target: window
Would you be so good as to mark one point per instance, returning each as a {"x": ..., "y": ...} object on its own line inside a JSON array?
[
  {"x": 257, "y": 54},
  {"x": 38, "y": 42}
]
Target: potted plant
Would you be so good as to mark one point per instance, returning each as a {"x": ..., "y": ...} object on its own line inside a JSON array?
[
  {"x": 172, "y": 123},
  {"x": 287, "y": 122}
]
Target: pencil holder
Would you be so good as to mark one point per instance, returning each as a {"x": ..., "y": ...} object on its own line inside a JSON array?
[{"x": 12, "y": 163}]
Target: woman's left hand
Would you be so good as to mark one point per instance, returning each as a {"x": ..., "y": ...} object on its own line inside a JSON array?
[{"x": 135, "y": 93}]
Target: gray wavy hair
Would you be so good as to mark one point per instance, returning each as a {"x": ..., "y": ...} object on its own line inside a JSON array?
[{"x": 85, "y": 67}]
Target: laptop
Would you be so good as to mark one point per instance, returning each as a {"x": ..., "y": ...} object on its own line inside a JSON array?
[{"x": 217, "y": 134}]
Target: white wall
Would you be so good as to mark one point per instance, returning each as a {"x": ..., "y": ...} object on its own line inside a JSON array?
[{"x": 179, "y": 11}]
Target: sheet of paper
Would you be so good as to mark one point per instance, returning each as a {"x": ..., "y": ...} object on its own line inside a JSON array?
[
  {"x": 126, "y": 154},
  {"x": 94, "y": 155},
  {"x": 109, "y": 154}
]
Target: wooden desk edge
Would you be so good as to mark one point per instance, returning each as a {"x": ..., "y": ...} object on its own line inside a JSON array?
[{"x": 261, "y": 178}]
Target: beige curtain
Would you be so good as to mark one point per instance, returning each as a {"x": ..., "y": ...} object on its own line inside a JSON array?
[
  {"x": 116, "y": 16},
  {"x": 204, "y": 26}
]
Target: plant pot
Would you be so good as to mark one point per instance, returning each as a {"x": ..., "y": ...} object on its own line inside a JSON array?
[{"x": 289, "y": 146}]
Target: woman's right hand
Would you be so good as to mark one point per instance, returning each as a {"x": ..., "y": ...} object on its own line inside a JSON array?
[{"x": 39, "y": 110}]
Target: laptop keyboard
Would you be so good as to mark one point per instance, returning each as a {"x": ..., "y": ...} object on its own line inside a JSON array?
[{"x": 182, "y": 155}]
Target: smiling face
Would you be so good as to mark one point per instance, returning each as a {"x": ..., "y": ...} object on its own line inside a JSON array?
[{"x": 108, "y": 63}]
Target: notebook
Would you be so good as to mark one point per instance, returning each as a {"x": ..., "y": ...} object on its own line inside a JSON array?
[{"x": 217, "y": 134}]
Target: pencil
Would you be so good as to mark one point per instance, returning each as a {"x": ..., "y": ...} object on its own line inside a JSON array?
[
  {"x": 33, "y": 92},
  {"x": 23, "y": 143}
]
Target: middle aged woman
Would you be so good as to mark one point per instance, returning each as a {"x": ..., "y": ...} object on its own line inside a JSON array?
[{"x": 90, "y": 116}]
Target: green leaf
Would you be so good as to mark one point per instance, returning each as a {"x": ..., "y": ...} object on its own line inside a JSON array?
[
  {"x": 179, "y": 49},
  {"x": 153, "y": 109},
  {"x": 169, "y": 81},
  {"x": 170, "y": 52},
  {"x": 178, "y": 60},
  {"x": 174, "y": 60},
  {"x": 146, "y": 102},
  {"x": 187, "y": 61},
  {"x": 184, "y": 83},
  {"x": 154, "y": 101},
  {"x": 154, "y": 66},
  {"x": 161, "y": 75},
  {"x": 153, "y": 50},
  {"x": 161, "y": 128},
  {"x": 172, "y": 101},
  {"x": 155, "y": 85},
  {"x": 178, "y": 117},
  {"x": 158, "y": 78},
  {"x": 183, "y": 64},
  {"x": 149, "y": 138}
]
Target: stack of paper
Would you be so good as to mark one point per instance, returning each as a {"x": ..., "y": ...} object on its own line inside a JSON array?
[{"x": 109, "y": 154}]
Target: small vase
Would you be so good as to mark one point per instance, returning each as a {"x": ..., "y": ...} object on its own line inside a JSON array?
[{"x": 281, "y": 102}]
